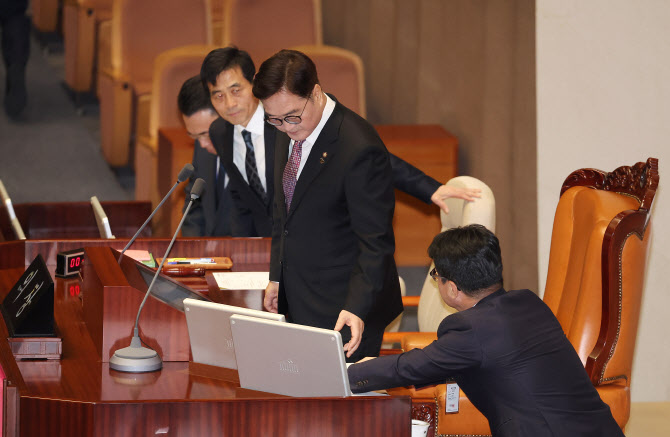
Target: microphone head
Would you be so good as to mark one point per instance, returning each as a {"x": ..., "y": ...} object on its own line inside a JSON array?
[
  {"x": 185, "y": 173},
  {"x": 198, "y": 188}
]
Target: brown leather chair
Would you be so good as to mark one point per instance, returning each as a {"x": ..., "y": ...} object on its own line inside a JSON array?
[
  {"x": 140, "y": 31},
  {"x": 594, "y": 286},
  {"x": 340, "y": 73},
  {"x": 263, "y": 27},
  {"x": 171, "y": 69},
  {"x": 81, "y": 26}
]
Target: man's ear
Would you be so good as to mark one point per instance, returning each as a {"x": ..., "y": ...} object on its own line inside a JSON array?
[
  {"x": 316, "y": 91},
  {"x": 452, "y": 289}
]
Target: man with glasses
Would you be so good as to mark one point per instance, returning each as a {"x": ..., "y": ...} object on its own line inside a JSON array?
[
  {"x": 332, "y": 260},
  {"x": 211, "y": 216},
  {"x": 506, "y": 350},
  {"x": 245, "y": 144}
]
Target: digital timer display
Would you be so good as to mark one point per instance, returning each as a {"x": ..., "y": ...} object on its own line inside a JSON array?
[{"x": 69, "y": 263}]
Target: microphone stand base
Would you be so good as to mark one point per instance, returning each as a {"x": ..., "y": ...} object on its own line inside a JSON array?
[{"x": 135, "y": 359}]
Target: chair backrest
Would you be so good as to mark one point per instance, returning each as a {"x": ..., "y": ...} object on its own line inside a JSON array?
[
  {"x": 597, "y": 261},
  {"x": 432, "y": 308},
  {"x": 341, "y": 73},
  {"x": 143, "y": 29},
  {"x": 171, "y": 69},
  {"x": 263, "y": 27}
]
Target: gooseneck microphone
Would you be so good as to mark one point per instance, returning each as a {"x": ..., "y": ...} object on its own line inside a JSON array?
[
  {"x": 137, "y": 358},
  {"x": 184, "y": 174}
]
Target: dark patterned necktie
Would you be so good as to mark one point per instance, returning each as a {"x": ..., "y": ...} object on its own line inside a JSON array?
[
  {"x": 250, "y": 166},
  {"x": 289, "y": 178}
]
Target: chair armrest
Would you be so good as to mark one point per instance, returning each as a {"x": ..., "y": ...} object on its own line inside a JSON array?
[
  {"x": 414, "y": 340},
  {"x": 410, "y": 340},
  {"x": 410, "y": 301}
]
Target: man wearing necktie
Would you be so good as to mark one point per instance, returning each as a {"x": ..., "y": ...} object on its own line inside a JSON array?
[
  {"x": 245, "y": 144},
  {"x": 332, "y": 260}
]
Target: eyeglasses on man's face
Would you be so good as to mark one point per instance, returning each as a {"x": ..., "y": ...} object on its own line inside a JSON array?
[
  {"x": 435, "y": 276},
  {"x": 290, "y": 119}
]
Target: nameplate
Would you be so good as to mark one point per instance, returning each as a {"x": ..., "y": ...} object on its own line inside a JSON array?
[{"x": 28, "y": 309}]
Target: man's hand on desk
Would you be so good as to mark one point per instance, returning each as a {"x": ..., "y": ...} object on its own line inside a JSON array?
[
  {"x": 356, "y": 325},
  {"x": 444, "y": 192},
  {"x": 271, "y": 296}
]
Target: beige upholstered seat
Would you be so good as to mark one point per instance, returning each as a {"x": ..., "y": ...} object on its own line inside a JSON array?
[
  {"x": 140, "y": 31},
  {"x": 340, "y": 73},
  {"x": 263, "y": 27},
  {"x": 171, "y": 69},
  {"x": 44, "y": 15},
  {"x": 81, "y": 26},
  {"x": 431, "y": 308}
]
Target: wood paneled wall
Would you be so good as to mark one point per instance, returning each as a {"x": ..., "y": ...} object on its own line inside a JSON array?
[{"x": 468, "y": 65}]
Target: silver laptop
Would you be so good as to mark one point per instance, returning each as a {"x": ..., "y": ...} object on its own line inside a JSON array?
[
  {"x": 289, "y": 359},
  {"x": 209, "y": 330}
]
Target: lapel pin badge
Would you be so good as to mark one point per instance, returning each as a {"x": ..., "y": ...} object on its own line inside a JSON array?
[{"x": 323, "y": 159}]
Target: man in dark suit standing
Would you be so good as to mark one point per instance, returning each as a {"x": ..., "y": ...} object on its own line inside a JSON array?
[
  {"x": 211, "y": 216},
  {"x": 242, "y": 139},
  {"x": 245, "y": 144},
  {"x": 506, "y": 350},
  {"x": 332, "y": 260}
]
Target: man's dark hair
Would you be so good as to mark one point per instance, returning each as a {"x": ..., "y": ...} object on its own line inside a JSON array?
[
  {"x": 219, "y": 60},
  {"x": 288, "y": 69},
  {"x": 469, "y": 256},
  {"x": 193, "y": 98}
]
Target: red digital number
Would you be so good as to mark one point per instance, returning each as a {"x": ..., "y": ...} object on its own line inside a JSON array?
[
  {"x": 75, "y": 290},
  {"x": 75, "y": 262}
]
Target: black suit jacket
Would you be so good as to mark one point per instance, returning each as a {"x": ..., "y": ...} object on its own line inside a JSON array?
[
  {"x": 511, "y": 358},
  {"x": 253, "y": 217},
  {"x": 334, "y": 249},
  {"x": 210, "y": 216}
]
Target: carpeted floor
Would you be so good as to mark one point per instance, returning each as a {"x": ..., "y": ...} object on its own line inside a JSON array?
[{"x": 51, "y": 153}]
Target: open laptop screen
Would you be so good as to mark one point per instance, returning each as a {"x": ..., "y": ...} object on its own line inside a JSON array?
[
  {"x": 209, "y": 330},
  {"x": 289, "y": 359}
]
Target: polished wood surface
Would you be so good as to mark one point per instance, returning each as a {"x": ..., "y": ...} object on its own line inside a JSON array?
[
  {"x": 75, "y": 219},
  {"x": 428, "y": 147},
  {"x": 79, "y": 395}
]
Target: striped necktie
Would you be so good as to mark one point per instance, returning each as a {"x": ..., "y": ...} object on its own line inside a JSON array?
[
  {"x": 290, "y": 176},
  {"x": 250, "y": 167}
]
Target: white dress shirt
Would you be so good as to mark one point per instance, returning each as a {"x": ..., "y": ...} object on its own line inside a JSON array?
[{"x": 311, "y": 139}]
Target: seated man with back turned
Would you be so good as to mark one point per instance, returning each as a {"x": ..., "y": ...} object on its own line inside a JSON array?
[{"x": 506, "y": 350}]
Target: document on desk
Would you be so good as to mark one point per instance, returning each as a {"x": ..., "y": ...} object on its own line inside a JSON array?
[{"x": 242, "y": 280}]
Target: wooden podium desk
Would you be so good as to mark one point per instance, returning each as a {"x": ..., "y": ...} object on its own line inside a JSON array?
[
  {"x": 428, "y": 147},
  {"x": 74, "y": 219},
  {"x": 79, "y": 395}
]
